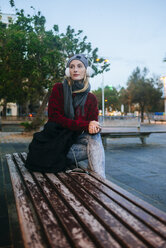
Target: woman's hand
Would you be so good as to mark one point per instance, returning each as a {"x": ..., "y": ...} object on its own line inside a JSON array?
[{"x": 94, "y": 127}]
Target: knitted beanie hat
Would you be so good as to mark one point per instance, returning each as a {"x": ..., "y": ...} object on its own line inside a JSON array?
[{"x": 80, "y": 57}]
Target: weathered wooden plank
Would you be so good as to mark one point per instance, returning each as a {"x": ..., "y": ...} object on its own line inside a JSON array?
[
  {"x": 136, "y": 211},
  {"x": 52, "y": 229},
  {"x": 14, "y": 228},
  {"x": 135, "y": 225},
  {"x": 23, "y": 155},
  {"x": 155, "y": 212},
  {"x": 91, "y": 211},
  {"x": 111, "y": 224},
  {"x": 92, "y": 225},
  {"x": 30, "y": 232},
  {"x": 5, "y": 237},
  {"x": 77, "y": 234}
]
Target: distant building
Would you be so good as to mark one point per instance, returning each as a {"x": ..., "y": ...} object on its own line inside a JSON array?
[
  {"x": 7, "y": 18},
  {"x": 11, "y": 110}
]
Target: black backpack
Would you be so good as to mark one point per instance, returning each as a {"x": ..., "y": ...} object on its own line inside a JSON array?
[{"x": 48, "y": 149}]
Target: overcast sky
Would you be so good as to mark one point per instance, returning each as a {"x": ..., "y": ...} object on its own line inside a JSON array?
[{"x": 129, "y": 33}]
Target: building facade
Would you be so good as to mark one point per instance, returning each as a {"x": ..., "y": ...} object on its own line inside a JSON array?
[{"x": 7, "y": 18}]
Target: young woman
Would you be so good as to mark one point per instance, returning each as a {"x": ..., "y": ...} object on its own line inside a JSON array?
[{"x": 72, "y": 106}]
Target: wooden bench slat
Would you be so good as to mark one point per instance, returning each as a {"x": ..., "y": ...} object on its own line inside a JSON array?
[
  {"x": 13, "y": 232},
  {"x": 135, "y": 225},
  {"x": 112, "y": 224},
  {"x": 52, "y": 229},
  {"x": 30, "y": 233},
  {"x": 139, "y": 213},
  {"x": 87, "y": 219},
  {"x": 155, "y": 212},
  {"x": 78, "y": 236},
  {"x": 93, "y": 226},
  {"x": 23, "y": 155},
  {"x": 81, "y": 210}
]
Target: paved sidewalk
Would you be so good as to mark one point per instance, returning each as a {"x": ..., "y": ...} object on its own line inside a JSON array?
[
  {"x": 14, "y": 137},
  {"x": 140, "y": 169}
]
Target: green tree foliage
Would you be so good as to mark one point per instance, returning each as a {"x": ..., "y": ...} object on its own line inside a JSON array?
[
  {"x": 33, "y": 59},
  {"x": 111, "y": 97},
  {"x": 30, "y": 59},
  {"x": 125, "y": 99},
  {"x": 11, "y": 63},
  {"x": 75, "y": 42},
  {"x": 144, "y": 91},
  {"x": 12, "y": 3}
]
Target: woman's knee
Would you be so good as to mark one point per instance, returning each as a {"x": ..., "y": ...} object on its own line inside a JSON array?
[
  {"x": 95, "y": 137},
  {"x": 77, "y": 152}
]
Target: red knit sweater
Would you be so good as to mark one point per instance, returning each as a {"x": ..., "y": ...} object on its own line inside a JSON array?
[{"x": 56, "y": 110}]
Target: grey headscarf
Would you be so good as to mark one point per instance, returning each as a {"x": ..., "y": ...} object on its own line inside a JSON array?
[{"x": 70, "y": 104}]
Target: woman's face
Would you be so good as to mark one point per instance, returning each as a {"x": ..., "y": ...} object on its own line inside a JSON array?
[{"x": 77, "y": 70}]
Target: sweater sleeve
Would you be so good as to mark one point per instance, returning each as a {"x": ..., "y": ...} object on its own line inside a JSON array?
[
  {"x": 56, "y": 111},
  {"x": 92, "y": 108}
]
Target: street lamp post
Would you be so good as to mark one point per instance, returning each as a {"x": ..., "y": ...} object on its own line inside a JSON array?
[
  {"x": 103, "y": 95},
  {"x": 164, "y": 81},
  {"x": 102, "y": 85}
]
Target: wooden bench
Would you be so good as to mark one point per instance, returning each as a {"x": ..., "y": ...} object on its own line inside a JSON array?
[
  {"x": 109, "y": 132},
  {"x": 81, "y": 210},
  {"x": 123, "y": 127}
]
